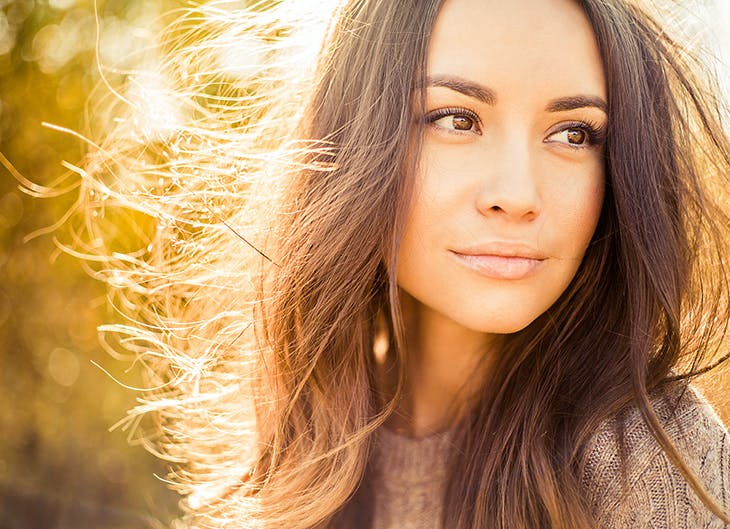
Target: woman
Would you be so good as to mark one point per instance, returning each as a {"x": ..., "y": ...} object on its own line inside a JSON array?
[{"x": 459, "y": 276}]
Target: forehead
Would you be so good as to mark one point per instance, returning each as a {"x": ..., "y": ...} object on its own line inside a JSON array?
[{"x": 521, "y": 48}]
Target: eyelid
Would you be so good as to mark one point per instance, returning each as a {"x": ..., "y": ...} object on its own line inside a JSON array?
[
  {"x": 443, "y": 112},
  {"x": 596, "y": 133}
]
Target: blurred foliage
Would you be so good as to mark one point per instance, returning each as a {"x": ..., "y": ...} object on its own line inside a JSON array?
[{"x": 59, "y": 465}]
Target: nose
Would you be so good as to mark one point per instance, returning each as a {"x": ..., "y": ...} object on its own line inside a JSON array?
[{"x": 508, "y": 187}]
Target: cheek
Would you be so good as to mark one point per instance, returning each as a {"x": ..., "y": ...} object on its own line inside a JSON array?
[
  {"x": 437, "y": 205},
  {"x": 576, "y": 210}
]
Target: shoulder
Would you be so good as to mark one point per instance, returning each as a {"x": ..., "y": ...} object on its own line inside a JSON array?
[{"x": 632, "y": 483}]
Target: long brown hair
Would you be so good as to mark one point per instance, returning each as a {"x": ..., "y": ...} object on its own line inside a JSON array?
[
  {"x": 262, "y": 341},
  {"x": 613, "y": 337}
]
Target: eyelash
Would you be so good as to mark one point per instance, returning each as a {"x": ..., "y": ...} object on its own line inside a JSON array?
[
  {"x": 596, "y": 133},
  {"x": 437, "y": 114}
]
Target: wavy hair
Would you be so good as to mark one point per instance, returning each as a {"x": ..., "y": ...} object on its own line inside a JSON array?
[{"x": 269, "y": 205}]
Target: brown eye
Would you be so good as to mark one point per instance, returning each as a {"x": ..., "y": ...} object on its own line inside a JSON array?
[
  {"x": 462, "y": 122},
  {"x": 577, "y": 136},
  {"x": 455, "y": 120}
]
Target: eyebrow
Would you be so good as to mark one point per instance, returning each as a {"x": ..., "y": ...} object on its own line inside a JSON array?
[
  {"x": 572, "y": 102},
  {"x": 463, "y": 86},
  {"x": 489, "y": 96}
]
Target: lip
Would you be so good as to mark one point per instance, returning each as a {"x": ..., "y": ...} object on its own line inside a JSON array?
[{"x": 501, "y": 260}]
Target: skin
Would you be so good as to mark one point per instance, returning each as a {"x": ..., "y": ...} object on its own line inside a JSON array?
[{"x": 510, "y": 173}]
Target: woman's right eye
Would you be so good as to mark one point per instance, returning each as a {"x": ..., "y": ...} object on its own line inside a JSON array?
[{"x": 457, "y": 120}]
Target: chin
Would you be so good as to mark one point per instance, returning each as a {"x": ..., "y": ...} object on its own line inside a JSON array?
[
  {"x": 505, "y": 309},
  {"x": 502, "y": 324}
]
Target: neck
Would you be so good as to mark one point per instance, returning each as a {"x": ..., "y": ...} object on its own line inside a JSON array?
[{"x": 443, "y": 368}]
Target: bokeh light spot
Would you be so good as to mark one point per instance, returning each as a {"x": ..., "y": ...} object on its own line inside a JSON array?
[
  {"x": 7, "y": 35},
  {"x": 61, "y": 4},
  {"x": 63, "y": 366},
  {"x": 11, "y": 208}
]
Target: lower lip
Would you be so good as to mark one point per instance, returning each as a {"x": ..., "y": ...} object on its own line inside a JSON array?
[{"x": 500, "y": 267}]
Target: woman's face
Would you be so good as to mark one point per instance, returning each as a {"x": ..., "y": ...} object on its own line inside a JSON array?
[{"x": 511, "y": 176}]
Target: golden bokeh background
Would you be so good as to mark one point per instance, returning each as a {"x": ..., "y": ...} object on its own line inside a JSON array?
[{"x": 60, "y": 466}]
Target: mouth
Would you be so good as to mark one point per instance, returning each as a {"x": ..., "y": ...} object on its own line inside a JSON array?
[{"x": 501, "y": 260}]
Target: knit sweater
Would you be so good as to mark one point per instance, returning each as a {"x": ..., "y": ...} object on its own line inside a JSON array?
[{"x": 411, "y": 473}]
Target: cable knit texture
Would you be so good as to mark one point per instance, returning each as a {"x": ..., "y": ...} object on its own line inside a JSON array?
[{"x": 651, "y": 494}]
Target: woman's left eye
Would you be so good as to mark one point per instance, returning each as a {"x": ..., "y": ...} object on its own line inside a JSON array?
[
  {"x": 577, "y": 135},
  {"x": 458, "y": 120}
]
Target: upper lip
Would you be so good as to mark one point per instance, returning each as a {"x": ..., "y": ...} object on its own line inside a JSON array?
[{"x": 502, "y": 249}]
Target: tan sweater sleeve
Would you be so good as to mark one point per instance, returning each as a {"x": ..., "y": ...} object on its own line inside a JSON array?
[{"x": 650, "y": 493}]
